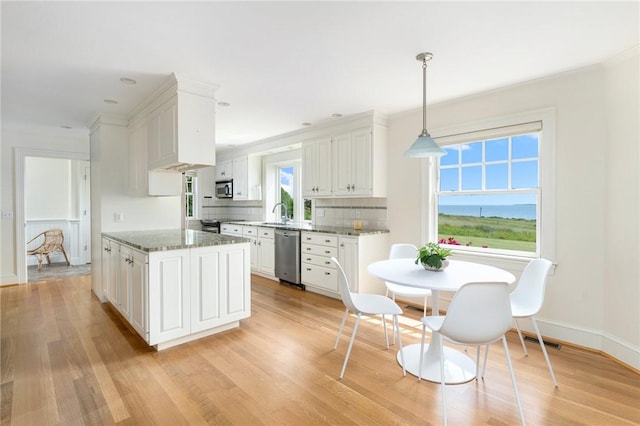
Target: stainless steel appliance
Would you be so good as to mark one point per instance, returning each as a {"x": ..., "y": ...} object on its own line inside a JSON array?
[
  {"x": 213, "y": 225},
  {"x": 287, "y": 256},
  {"x": 224, "y": 189}
]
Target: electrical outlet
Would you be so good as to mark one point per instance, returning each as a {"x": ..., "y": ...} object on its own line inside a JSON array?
[
  {"x": 353, "y": 213},
  {"x": 118, "y": 217},
  {"x": 7, "y": 214},
  {"x": 319, "y": 212}
]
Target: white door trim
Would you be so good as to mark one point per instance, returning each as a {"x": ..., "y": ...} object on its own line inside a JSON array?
[{"x": 21, "y": 154}]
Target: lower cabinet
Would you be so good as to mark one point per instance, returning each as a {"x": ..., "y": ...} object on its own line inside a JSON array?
[
  {"x": 171, "y": 297},
  {"x": 354, "y": 253},
  {"x": 266, "y": 251}
]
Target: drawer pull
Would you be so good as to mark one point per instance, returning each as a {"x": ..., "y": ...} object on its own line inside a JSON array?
[
  {"x": 327, "y": 251},
  {"x": 308, "y": 258},
  {"x": 327, "y": 241},
  {"x": 327, "y": 263},
  {"x": 308, "y": 248},
  {"x": 327, "y": 273},
  {"x": 308, "y": 269}
]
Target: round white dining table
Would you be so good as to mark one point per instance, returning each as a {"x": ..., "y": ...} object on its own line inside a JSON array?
[{"x": 459, "y": 368}]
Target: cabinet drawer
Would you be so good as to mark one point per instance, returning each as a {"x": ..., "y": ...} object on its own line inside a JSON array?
[
  {"x": 319, "y": 250},
  {"x": 229, "y": 229},
  {"x": 321, "y": 277},
  {"x": 265, "y": 233},
  {"x": 249, "y": 231},
  {"x": 314, "y": 259},
  {"x": 319, "y": 238}
]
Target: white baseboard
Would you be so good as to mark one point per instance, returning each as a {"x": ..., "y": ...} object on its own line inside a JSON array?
[{"x": 8, "y": 279}]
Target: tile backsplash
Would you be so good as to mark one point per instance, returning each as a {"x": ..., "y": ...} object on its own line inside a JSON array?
[{"x": 372, "y": 212}]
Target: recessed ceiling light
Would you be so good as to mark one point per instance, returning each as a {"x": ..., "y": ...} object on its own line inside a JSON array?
[
  {"x": 127, "y": 80},
  {"x": 223, "y": 104},
  {"x": 66, "y": 127},
  {"x": 336, "y": 115},
  {"x": 110, "y": 101},
  {"x": 306, "y": 124}
]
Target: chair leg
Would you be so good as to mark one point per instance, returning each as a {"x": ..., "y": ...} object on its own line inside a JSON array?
[
  {"x": 344, "y": 319},
  {"x": 386, "y": 337},
  {"x": 65, "y": 255},
  {"x": 404, "y": 368},
  {"x": 544, "y": 351},
  {"x": 521, "y": 338},
  {"x": 484, "y": 363},
  {"x": 353, "y": 336},
  {"x": 442, "y": 385},
  {"x": 477, "y": 361},
  {"x": 513, "y": 379},
  {"x": 393, "y": 330},
  {"x": 424, "y": 331}
]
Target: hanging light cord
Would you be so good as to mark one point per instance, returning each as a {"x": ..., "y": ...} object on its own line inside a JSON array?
[{"x": 424, "y": 97}]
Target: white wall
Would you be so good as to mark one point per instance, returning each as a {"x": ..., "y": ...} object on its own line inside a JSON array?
[
  {"x": 50, "y": 194},
  {"x": 597, "y": 135},
  {"x": 621, "y": 313}
]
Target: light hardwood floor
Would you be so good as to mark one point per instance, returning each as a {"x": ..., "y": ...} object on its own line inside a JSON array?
[{"x": 68, "y": 359}]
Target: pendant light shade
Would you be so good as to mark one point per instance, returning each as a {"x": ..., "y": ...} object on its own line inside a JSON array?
[{"x": 424, "y": 146}]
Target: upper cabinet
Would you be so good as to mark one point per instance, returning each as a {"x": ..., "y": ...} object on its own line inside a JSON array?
[
  {"x": 143, "y": 181},
  {"x": 181, "y": 133},
  {"x": 350, "y": 163},
  {"x": 316, "y": 168},
  {"x": 179, "y": 121},
  {"x": 246, "y": 172}
]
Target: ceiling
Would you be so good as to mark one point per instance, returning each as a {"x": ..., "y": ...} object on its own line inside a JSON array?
[{"x": 280, "y": 64}]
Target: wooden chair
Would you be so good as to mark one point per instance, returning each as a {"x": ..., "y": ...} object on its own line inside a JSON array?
[{"x": 53, "y": 241}]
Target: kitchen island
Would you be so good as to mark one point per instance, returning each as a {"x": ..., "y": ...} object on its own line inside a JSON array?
[{"x": 175, "y": 286}]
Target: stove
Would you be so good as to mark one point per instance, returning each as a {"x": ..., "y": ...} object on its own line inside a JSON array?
[{"x": 213, "y": 225}]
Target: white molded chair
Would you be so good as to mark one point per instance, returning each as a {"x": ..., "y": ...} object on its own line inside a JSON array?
[
  {"x": 527, "y": 299},
  {"x": 479, "y": 314},
  {"x": 406, "y": 251},
  {"x": 368, "y": 304}
]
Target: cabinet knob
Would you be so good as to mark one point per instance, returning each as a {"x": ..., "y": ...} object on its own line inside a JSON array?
[
  {"x": 327, "y": 273},
  {"x": 327, "y": 251}
]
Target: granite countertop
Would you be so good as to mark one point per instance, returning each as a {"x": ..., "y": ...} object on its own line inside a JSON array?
[
  {"x": 340, "y": 230},
  {"x": 171, "y": 239}
]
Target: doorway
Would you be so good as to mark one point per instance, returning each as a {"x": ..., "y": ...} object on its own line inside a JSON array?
[{"x": 73, "y": 194}]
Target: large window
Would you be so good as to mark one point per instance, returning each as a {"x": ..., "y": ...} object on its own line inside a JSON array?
[
  {"x": 489, "y": 190},
  {"x": 283, "y": 185}
]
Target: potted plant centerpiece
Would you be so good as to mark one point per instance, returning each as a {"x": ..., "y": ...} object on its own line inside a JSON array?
[{"x": 433, "y": 257}]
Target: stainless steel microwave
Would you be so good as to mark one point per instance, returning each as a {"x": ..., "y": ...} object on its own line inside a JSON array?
[{"x": 224, "y": 189}]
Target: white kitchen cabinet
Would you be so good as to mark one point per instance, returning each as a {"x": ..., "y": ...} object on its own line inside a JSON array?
[
  {"x": 251, "y": 232},
  {"x": 124, "y": 282},
  {"x": 182, "y": 131},
  {"x": 137, "y": 276},
  {"x": 318, "y": 272},
  {"x": 317, "y": 168},
  {"x": 142, "y": 181},
  {"x": 110, "y": 270},
  {"x": 355, "y": 253},
  {"x": 220, "y": 286},
  {"x": 356, "y": 156},
  {"x": 169, "y": 295},
  {"x": 266, "y": 251},
  {"x": 224, "y": 170},
  {"x": 231, "y": 229},
  {"x": 247, "y": 178}
]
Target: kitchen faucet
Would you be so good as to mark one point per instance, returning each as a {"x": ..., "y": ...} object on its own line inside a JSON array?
[{"x": 286, "y": 212}]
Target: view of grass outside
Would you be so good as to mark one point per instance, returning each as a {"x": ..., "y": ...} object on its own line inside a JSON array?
[{"x": 488, "y": 232}]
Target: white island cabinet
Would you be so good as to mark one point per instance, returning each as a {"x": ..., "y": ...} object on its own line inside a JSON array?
[{"x": 177, "y": 286}]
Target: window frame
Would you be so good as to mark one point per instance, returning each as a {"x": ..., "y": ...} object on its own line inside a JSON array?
[
  {"x": 488, "y": 129},
  {"x": 193, "y": 194}
]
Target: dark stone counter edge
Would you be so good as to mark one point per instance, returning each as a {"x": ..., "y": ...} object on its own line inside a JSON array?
[
  {"x": 315, "y": 228},
  {"x": 163, "y": 240}
]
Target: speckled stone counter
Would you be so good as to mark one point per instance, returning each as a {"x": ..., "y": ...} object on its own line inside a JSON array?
[
  {"x": 339, "y": 230},
  {"x": 171, "y": 239}
]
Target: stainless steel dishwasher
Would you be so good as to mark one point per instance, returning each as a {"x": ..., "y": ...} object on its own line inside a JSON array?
[{"x": 287, "y": 256}]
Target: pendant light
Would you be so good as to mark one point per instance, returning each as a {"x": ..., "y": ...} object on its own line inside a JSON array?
[{"x": 424, "y": 146}]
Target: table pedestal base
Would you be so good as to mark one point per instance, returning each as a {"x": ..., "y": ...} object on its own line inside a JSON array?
[{"x": 458, "y": 367}]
